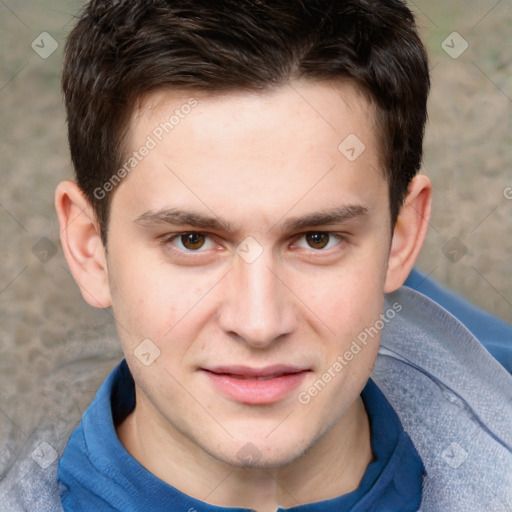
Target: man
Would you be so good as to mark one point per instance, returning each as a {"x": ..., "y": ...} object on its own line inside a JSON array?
[{"x": 248, "y": 203}]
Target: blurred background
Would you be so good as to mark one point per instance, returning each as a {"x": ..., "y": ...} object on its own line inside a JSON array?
[{"x": 55, "y": 350}]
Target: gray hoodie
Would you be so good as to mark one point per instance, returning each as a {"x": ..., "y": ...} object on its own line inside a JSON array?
[{"x": 452, "y": 397}]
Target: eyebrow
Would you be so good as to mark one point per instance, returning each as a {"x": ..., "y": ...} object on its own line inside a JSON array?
[
  {"x": 325, "y": 217},
  {"x": 198, "y": 220},
  {"x": 176, "y": 216}
]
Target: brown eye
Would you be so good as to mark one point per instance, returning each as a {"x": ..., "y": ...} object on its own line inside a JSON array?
[
  {"x": 317, "y": 240},
  {"x": 192, "y": 241}
]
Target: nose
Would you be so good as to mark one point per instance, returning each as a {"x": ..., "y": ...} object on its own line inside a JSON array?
[{"x": 257, "y": 307}]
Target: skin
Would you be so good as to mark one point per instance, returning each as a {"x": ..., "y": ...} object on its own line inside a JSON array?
[{"x": 255, "y": 161}]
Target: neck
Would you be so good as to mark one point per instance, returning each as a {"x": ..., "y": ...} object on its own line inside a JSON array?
[{"x": 331, "y": 467}]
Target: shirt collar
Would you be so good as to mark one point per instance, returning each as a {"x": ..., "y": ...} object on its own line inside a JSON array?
[{"x": 96, "y": 467}]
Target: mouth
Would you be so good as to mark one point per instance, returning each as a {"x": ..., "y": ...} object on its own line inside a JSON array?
[{"x": 255, "y": 386}]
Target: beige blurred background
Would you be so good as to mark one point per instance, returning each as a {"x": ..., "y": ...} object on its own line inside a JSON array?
[{"x": 48, "y": 333}]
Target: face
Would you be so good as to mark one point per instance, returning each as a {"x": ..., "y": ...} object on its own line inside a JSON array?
[{"x": 248, "y": 248}]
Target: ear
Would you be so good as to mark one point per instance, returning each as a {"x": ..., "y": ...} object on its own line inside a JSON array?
[
  {"x": 81, "y": 243},
  {"x": 409, "y": 233}
]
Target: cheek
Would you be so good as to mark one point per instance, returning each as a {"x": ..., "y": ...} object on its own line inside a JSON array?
[
  {"x": 137, "y": 299},
  {"x": 347, "y": 300},
  {"x": 352, "y": 308},
  {"x": 150, "y": 301}
]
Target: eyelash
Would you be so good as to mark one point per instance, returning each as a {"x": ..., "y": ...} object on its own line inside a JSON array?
[{"x": 167, "y": 241}]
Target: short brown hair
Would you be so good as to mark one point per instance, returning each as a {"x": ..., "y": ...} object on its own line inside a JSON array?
[{"x": 122, "y": 49}]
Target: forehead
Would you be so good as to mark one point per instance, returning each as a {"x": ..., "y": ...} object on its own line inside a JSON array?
[
  {"x": 340, "y": 107},
  {"x": 245, "y": 146}
]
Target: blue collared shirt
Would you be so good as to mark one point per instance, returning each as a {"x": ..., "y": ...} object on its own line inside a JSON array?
[{"x": 97, "y": 473}]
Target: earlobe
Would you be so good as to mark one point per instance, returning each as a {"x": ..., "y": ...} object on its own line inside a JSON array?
[
  {"x": 409, "y": 233},
  {"x": 81, "y": 243}
]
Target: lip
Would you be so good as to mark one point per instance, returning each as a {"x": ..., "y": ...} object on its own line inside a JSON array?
[{"x": 255, "y": 386}]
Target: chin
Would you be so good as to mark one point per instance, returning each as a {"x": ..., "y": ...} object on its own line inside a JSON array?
[{"x": 250, "y": 456}]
